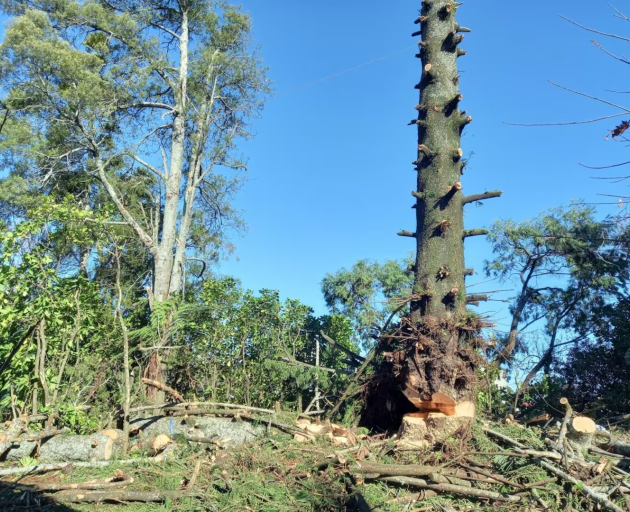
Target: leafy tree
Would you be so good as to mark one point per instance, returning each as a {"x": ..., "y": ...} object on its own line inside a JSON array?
[
  {"x": 237, "y": 346},
  {"x": 50, "y": 321},
  {"x": 369, "y": 294},
  {"x": 140, "y": 105},
  {"x": 596, "y": 373},
  {"x": 568, "y": 266}
]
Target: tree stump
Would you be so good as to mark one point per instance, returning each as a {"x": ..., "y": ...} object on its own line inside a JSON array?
[
  {"x": 580, "y": 431},
  {"x": 427, "y": 429}
]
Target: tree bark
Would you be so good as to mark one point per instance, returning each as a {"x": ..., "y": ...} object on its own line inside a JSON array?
[
  {"x": 432, "y": 350},
  {"x": 443, "y": 364},
  {"x": 96, "y": 447},
  {"x": 165, "y": 255}
]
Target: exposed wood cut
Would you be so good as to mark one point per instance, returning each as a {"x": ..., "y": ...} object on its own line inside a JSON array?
[
  {"x": 439, "y": 402},
  {"x": 584, "y": 425},
  {"x": 438, "y": 419}
]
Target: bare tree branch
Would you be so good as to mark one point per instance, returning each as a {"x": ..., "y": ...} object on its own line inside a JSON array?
[{"x": 595, "y": 31}]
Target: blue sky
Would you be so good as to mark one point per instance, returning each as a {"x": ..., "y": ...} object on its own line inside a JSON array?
[{"x": 330, "y": 168}]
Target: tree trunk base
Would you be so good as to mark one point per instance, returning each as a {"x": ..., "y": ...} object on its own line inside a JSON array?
[
  {"x": 580, "y": 432},
  {"x": 427, "y": 429}
]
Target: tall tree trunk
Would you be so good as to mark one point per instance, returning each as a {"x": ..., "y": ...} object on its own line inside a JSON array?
[
  {"x": 439, "y": 304},
  {"x": 165, "y": 253},
  {"x": 434, "y": 351}
]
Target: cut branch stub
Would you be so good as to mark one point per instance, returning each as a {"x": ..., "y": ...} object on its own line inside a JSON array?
[
  {"x": 476, "y": 298},
  {"x": 443, "y": 272},
  {"x": 460, "y": 52},
  {"x": 459, "y": 28},
  {"x": 429, "y": 71},
  {"x": 457, "y": 187},
  {"x": 444, "y": 225},
  {"x": 407, "y": 234},
  {"x": 475, "y": 232},
  {"x": 465, "y": 120},
  {"x": 469, "y": 272},
  {"x": 416, "y": 34},
  {"x": 457, "y": 39},
  {"x": 446, "y": 10},
  {"x": 456, "y": 100},
  {"x": 426, "y": 151},
  {"x": 458, "y": 154},
  {"x": 417, "y": 195},
  {"x": 481, "y": 197}
]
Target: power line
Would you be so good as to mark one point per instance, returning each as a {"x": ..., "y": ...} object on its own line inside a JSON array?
[{"x": 335, "y": 75}]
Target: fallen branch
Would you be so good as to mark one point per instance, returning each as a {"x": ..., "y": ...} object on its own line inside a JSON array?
[
  {"x": 488, "y": 474},
  {"x": 620, "y": 447},
  {"x": 193, "y": 479},
  {"x": 617, "y": 420},
  {"x": 280, "y": 426},
  {"x": 347, "y": 393},
  {"x": 200, "y": 439},
  {"x": 521, "y": 449},
  {"x": 43, "y": 468},
  {"x": 374, "y": 468},
  {"x": 600, "y": 498},
  {"x": 163, "y": 387},
  {"x": 45, "y": 435},
  {"x": 110, "y": 483},
  {"x": 450, "y": 488},
  {"x": 118, "y": 496},
  {"x": 186, "y": 405},
  {"x": 359, "y": 359},
  {"x": 206, "y": 412}
]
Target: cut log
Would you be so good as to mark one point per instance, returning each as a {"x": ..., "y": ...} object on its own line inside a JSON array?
[
  {"x": 219, "y": 428},
  {"x": 25, "y": 445},
  {"x": 580, "y": 433},
  {"x": 117, "y": 437},
  {"x": 159, "y": 444},
  {"x": 613, "y": 445},
  {"x": 97, "y": 447},
  {"x": 426, "y": 429},
  {"x": 13, "y": 430}
]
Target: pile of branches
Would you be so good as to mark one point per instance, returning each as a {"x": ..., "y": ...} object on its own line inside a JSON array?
[
  {"x": 511, "y": 467},
  {"x": 567, "y": 464}
]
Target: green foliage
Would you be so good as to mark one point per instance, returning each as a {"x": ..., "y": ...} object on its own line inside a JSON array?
[
  {"x": 568, "y": 266},
  {"x": 241, "y": 347},
  {"x": 367, "y": 294},
  {"x": 33, "y": 291}
]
